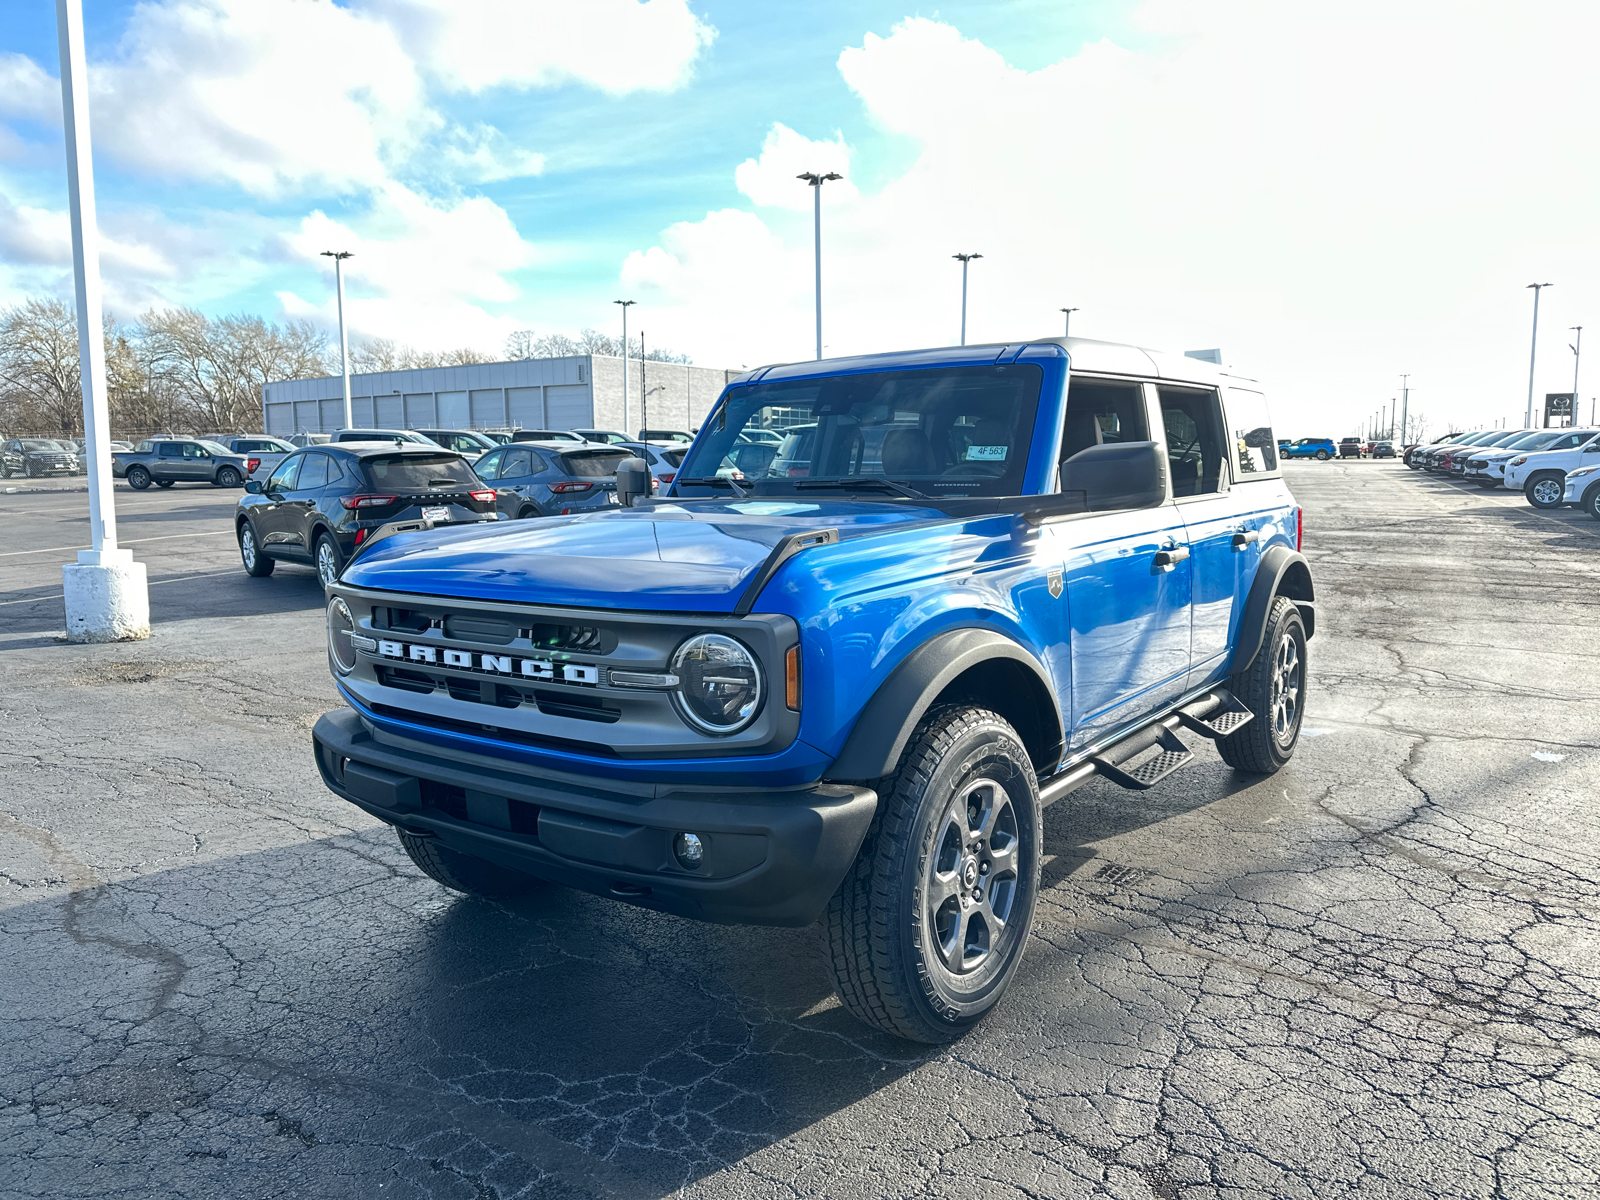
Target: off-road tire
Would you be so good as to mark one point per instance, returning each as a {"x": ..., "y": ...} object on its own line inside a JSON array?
[
  {"x": 229, "y": 477},
  {"x": 464, "y": 873},
  {"x": 1261, "y": 747},
  {"x": 880, "y": 936},
  {"x": 256, "y": 564},
  {"x": 138, "y": 478}
]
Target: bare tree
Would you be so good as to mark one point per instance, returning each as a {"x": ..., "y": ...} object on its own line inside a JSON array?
[
  {"x": 39, "y": 365},
  {"x": 525, "y": 344}
]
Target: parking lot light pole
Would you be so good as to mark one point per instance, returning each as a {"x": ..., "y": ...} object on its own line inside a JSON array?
[
  {"x": 1576, "y": 346},
  {"x": 626, "y": 304},
  {"x": 965, "y": 259},
  {"x": 338, "y": 257},
  {"x": 106, "y": 593},
  {"x": 1066, "y": 326},
  {"x": 816, "y": 181},
  {"x": 1405, "y": 406},
  {"x": 1533, "y": 354}
]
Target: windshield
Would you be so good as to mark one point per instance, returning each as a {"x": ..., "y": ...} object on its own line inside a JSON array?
[
  {"x": 1534, "y": 441},
  {"x": 37, "y": 444},
  {"x": 946, "y": 431},
  {"x": 214, "y": 447},
  {"x": 418, "y": 472}
]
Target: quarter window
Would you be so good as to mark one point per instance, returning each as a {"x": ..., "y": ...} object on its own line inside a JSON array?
[
  {"x": 1255, "y": 453},
  {"x": 1195, "y": 443}
]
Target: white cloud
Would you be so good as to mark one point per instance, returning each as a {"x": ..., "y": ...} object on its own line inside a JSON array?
[
  {"x": 43, "y": 237},
  {"x": 771, "y": 180},
  {"x": 485, "y": 155},
  {"x": 1333, "y": 194},
  {"x": 26, "y": 91},
  {"x": 618, "y": 46},
  {"x": 423, "y": 271}
]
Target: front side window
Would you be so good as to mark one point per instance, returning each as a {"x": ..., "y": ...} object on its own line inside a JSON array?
[
  {"x": 489, "y": 465},
  {"x": 1101, "y": 412},
  {"x": 194, "y": 450},
  {"x": 1196, "y": 446},
  {"x": 943, "y": 432},
  {"x": 282, "y": 480},
  {"x": 1255, "y": 453}
]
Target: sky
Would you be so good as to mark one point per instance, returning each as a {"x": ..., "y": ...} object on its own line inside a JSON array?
[{"x": 1332, "y": 192}]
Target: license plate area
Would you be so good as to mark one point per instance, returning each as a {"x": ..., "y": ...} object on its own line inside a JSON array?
[{"x": 436, "y": 513}]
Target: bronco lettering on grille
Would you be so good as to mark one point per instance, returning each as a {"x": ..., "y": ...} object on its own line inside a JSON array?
[{"x": 583, "y": 674}]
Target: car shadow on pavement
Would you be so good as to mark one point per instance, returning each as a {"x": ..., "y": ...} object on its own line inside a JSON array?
[
  {"x": 400, "y": 1030},
  {"x": 208, "y": 591}
]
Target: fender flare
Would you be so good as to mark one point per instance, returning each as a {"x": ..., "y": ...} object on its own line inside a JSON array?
[
  {"x": 888, "y": 719},
  {"x": 1281, "y": 571}
]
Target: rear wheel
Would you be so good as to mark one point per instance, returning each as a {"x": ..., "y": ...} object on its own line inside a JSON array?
[
  {"x": 1273, "y": 687},
  {"x": 329, "y": 561},
  {"x": 463, "y": 873},
  {"x": 1545, "y": 489},
  {"x": 928, "y": 928},
  {"x": 256, "y": 564},
  {"x": 229, "y": 477},
  {"x": 528, "y": 511},
  {"x": 138, "y": 478}
]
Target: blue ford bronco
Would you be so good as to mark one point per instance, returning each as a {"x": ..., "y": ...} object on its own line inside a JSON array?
[{"x": 834, "y": 675}]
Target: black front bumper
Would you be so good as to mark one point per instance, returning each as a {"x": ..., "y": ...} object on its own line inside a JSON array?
[{"x": 772, "y": 856}]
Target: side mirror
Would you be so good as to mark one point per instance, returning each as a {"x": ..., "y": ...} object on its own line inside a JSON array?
[
  {"x": 253, "y": 486},
  {"x": 633, "y": 481},
  {"x": 1118, "y": 475}
]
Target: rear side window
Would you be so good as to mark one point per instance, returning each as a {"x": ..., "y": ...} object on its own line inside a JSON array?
[
  {"x": 419, "y": 472},
  {"x": 314, "y": 472},
  {"x": 1196, "y": 443},
  {"x": 1255, "y": 453},
  {"x": 515, "y": 465},
  {"x": 594, "y": 465}
]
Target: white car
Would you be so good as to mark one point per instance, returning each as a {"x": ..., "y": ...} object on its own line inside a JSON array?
[
  {"x": 1583, "y": 489},
  {"x": 1542, "y": 475},
  {"x": 663, "y": 459},
  {"x": 1488, "y": 469}
]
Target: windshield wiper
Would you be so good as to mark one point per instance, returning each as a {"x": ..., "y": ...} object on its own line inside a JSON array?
[
  {"x": 865, "y": 481},
  {"x": 713, "y": 481}
]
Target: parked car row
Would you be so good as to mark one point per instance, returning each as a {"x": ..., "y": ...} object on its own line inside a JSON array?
[{"x": 1550, "y": 467}]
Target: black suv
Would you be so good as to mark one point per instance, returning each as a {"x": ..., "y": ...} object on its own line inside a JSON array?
[{"x": 320, "y": 504}]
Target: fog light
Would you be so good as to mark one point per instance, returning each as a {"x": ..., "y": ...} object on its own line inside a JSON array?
[{"x": 689, "y": 850}]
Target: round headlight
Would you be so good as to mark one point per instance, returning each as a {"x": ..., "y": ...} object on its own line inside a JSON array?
[
  {"x": 340, "y": 626},
  {"x": 719, "y": 683}
]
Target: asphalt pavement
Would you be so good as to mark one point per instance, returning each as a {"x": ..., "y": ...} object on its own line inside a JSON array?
[{"x": 1376, "y": 974}]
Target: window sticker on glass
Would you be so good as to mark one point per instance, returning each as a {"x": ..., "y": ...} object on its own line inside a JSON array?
[{"x": 986, "y": 454}]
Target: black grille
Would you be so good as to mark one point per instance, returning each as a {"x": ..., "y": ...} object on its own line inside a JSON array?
[{"x": 483, "y": 730}]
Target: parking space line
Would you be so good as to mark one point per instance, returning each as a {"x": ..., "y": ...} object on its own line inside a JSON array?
[
  {"x": 166, "y": 537},
  {"x": 153, "y": 583}
]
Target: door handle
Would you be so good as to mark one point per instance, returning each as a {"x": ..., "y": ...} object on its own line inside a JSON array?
[
  {"x": 1244, "y": 537},
  {"x": 1167, "y": 559}
]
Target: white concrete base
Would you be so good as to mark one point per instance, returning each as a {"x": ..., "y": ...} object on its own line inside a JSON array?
[{"x": 108, "y": 598}]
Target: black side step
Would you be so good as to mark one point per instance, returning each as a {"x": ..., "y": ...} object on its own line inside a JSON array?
[
  {"x": 1171, "y": 755},
  {"x": 1216, "y": 715}
]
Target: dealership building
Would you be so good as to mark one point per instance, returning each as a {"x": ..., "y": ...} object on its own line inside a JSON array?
[{"x": 581, "y": 391}]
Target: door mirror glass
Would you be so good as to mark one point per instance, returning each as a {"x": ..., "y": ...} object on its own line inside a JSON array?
[
  {"x": 1119, "y": 475},
  {"x": 253, "y": 486}
]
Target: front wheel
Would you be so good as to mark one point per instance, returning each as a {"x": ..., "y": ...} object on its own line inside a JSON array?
[
  {"x": 1545, "y": 490},
  {"x": 929, "y": 926},
  {"x": 1591, "y": 502},
  {"x": 229, "y": 477},
  {"x": 462, "y": 872},
  {"x": 1273, "y": 687},
  {"x": 138, "y": 478},
  {"x": 256, "y": 564}
]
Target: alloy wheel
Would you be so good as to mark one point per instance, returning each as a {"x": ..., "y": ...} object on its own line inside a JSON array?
[
  {"x": 1286, "y": 690},
  {"x": 327, "y": 563},
  {"x": 247, "y": 547},
  {"x": 973, "y": 882}
]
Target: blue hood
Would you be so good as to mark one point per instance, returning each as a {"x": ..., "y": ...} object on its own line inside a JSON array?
[{"x": 667, "y": 558}]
